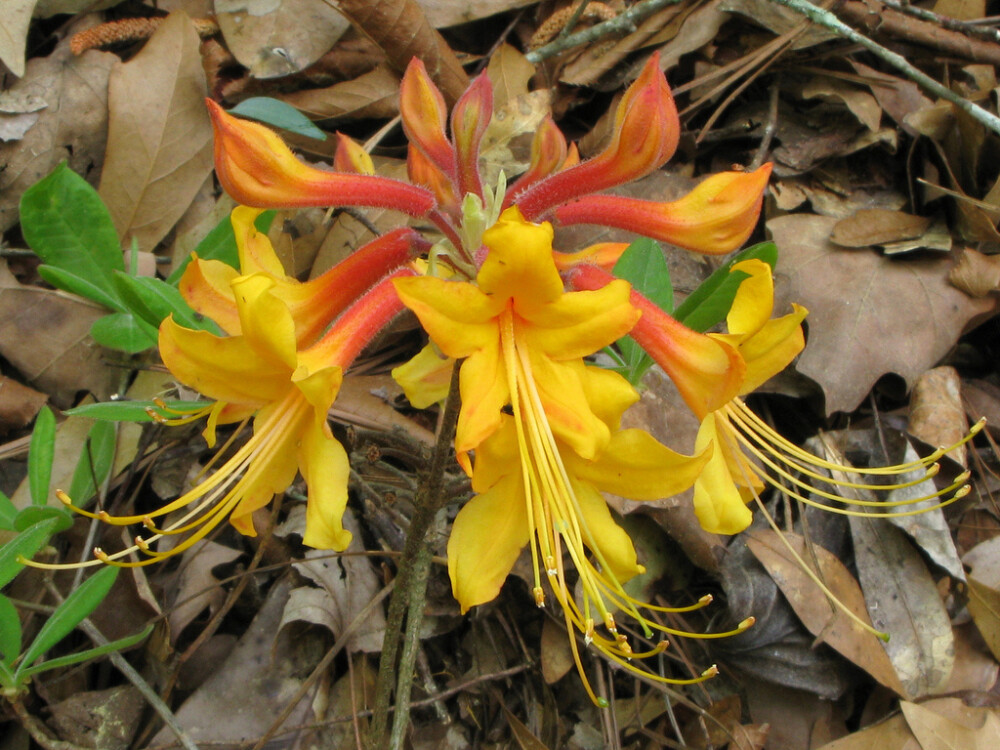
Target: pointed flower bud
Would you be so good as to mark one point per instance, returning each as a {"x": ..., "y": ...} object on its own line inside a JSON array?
[
  {"x": 424, "y": 115},
  {"x": 469, "y": 119},
  {"x": 548, "y": 154},
  {"x": 422, "y": 171},
  {"x": 715, "y": 218},
  {"x": 257, "y": 169},
  {"x": 350, "y": 157},
  {"x": 645, "y": 136}
]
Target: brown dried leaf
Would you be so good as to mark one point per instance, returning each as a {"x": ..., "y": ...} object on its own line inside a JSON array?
[
  {"x": 826, "y": 621},
  {"x": 159, "y": 137},
  {"x": 936, "y": 732},
  {"x": 18, "y": 404},
  {"x": 936, "y": 413},
  {"x": 195, "y": 586},
  {"x": 374, "y": 94},
  {"x": 46, "y": 336},
  {"x": 904, "y": 602},
  {"x": 984, "y": 591},
  {"x": 877, "y": 226},
  {"x": 47, "y": 8},
  {"x": 892, "y": 734},
  {"x": 238, "y": 703},
  {"x": 72, "y": 126},
  {"x": 346, "y": 586},
  {"x": 274, "y": 38},
  {"x": 509, "y": 72},
  {"x": 976, "y": 274},
  {"x": 868, "y": 315},
  {"x": 14, "y": 22},
  {"x": 555, "y": 652},
  {"x": 862, "y": 105},
  {"x": 401, "y": 29}
]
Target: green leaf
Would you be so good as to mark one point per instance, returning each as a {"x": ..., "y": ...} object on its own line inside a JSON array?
[
  {"x": 65, "y": 222},
  {"x": 40, "y": 455},
  {"x": 25, "y": 544},
  {"x": 134, "y": 411},
  {"x": 643, "y": 266},
  {"x": 710, "y": 302},
  {"x": 69, "y": 614},
  {"x": 124, "y": 332},
  {"x": 8, "y": 511},
  {"x": 10, "y": 631},
  {"x": 220, "y": 244},
  {"x": 34, "y": 513},
  {"x": 73, "y": 284},
  {"x": 279, "y": 114},
  {"x": 94, "y": 464},
  {"x": 153, "y": 300},
  {"x": 90, "y": 653}
]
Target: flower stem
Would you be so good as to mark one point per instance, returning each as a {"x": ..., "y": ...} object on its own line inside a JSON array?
[{"x": 411, "y": 587}]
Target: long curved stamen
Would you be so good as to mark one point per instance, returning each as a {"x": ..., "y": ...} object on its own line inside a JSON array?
[
  {"x": 215, "y": 498},
  {"x": 557, "y": 524},
  {"x": 762, "y": 428},
  {"x": 768, "y": 447}
]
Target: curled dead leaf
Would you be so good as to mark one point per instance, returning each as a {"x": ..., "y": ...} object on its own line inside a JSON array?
[
  {"x": 877, "y": 226},
  {"x": 976, "y": 274}
]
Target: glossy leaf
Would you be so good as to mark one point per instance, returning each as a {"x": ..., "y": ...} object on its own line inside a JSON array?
[{"x": 40, "y": 454}]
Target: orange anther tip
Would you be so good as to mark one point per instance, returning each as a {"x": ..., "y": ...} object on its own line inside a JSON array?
[
  {"x": 141, "y": 544},
  {"x": 103, "y": 515},
  {"x": 539, "y": 596},
  {"x": 747, "y": 623},
  {"x": 147, "y": 522},
  {"x": 712, "y": 671},
  {"x": 101, "y": 555},
  {"x": 963, "y": 491},
  {"x": 64, "y": 498},
  {"x": 706, "y": 600}
]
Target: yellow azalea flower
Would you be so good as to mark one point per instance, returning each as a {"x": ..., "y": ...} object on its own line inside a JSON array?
[
  {"x": 518, "y": 310},
  {"x": 288, "y": 390},
  {"x": 207, "y": 284},
  {"x": 425, "y": 379}
]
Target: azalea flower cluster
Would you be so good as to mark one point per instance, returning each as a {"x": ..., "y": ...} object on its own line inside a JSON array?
[{"x": 539, "y": 430}]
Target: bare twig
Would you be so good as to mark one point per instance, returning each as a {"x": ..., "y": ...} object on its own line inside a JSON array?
[
  {"x": 411, "y": 582},
  {"x": 624, "y": 22},
  {"x": 972, "y": 28},
  {"x": 828, "y": 20}
]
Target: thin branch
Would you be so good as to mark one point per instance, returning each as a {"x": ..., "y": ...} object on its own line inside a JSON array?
[
  {"x": 828, "y": 20},
  {"x": 625, "y": 22}
]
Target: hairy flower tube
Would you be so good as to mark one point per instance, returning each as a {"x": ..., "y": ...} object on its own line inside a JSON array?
[
  {"x": 749, "y": 453},
  {"x": 539, "y": 469},
  {"x": 276, "y": 368},
  {"x": 258, "y": 169}
]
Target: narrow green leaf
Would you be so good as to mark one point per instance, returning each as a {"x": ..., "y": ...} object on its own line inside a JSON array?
[
  {"x": 7, "y": 679},
  {"x": 8, "y": 512},
  {"x": 41, "y": 451},
  {"x": 715, "y": 307},
  {"x": 94, "y": 464},
  {"x": 69, "y": 614},
  {"x": 73, "y": 284},
  {"x": 279, "y": 114},
  {"x": 133, "y": 411},
  {"x": 65, "y": 222},
  {"x": 220, "y": 244},
  {"x": 124, "y": 332},
  {"x": 153, "y": 300},
  {"x": 91, "y": 653},
  {"x": 644, "y": 267},
  {"x": 10, "y": 631},
  {"x": 31, "y": 515},
  {"x": 25, "y": 544},
  {"x": 765, "y": 251}
]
